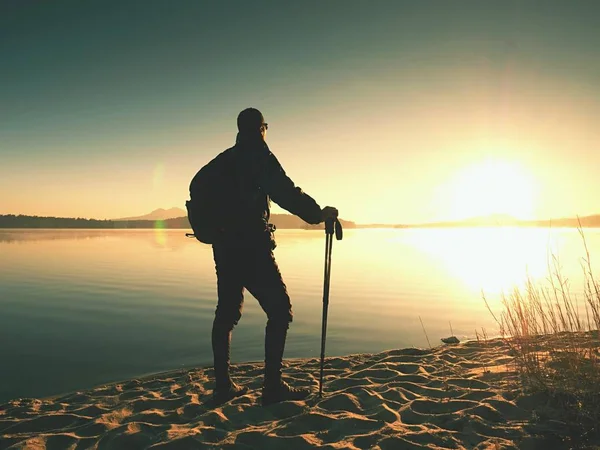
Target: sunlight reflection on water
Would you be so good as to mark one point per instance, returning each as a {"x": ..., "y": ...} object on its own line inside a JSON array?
[
  {"x": 491, "y": 260},
  {"x": 92, "y": 306}
]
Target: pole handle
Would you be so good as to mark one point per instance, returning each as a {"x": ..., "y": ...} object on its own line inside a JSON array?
[{"x": 334, "y": 226}]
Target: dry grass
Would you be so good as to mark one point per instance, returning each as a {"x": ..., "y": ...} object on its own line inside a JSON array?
[{"x": 555, "y": 340}]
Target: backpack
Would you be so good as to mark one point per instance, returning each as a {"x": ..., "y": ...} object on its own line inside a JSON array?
[
  {"x": 218, "y": 190},
  {"x": 209, "y": 191}
]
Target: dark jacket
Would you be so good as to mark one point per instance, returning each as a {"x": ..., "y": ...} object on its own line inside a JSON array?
[{"x": 251, "y": 178}]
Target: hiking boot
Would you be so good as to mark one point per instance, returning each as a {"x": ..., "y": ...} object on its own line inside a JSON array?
[
  {"x": 281, "y": 392},
  {"x": 223, "y": 395}
]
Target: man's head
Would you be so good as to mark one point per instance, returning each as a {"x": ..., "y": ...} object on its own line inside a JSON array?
[{"x": 251, "y": 121}]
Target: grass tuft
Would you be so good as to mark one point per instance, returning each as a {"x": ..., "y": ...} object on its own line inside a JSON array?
[{"x": 555, "y": 341}]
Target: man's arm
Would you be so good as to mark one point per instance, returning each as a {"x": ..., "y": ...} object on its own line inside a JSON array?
[{"x": 286, "y": 194}]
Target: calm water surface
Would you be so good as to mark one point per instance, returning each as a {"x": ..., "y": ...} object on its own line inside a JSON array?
[{"x": 84, "y": 307}]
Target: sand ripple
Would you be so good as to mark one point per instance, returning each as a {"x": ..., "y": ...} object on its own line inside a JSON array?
[{"x": 450, "y": 397}]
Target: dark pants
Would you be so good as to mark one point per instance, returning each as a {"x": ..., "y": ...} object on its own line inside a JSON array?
[{"x": 241, "y": 267}]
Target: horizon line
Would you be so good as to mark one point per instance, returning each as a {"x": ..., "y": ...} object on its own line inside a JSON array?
[{"x": 500, "y": 219}]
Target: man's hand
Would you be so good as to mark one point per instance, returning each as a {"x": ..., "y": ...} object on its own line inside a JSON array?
[{"x": 329, "y": 213}]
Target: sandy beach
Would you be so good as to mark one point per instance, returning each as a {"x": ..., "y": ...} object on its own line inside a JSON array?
[{"x": 457, "y": 396}]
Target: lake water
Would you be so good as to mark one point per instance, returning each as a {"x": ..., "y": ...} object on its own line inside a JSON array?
[{"x": 83, "y": 307}]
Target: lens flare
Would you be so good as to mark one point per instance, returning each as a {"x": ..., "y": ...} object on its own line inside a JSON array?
[{"x": 160, "y": 233}]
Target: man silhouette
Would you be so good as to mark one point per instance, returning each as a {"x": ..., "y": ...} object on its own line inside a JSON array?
[{"x": 244, "y": 259}]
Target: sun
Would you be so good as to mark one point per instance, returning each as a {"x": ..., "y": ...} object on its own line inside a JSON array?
[{"x": 493, "y": 187}]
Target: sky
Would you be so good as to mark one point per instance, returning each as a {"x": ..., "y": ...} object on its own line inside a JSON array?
[{"x": 392, "y": 111}]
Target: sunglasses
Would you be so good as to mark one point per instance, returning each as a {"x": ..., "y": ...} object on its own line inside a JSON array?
[{"x": 265, "y": 126}]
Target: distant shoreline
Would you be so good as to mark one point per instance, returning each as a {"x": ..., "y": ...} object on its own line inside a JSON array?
[{"x": 283, "y": 221}]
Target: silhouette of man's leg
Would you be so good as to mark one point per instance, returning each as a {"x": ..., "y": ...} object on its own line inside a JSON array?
[
  {"x": 263, "y": 280},
  {"x": 230, "y": 291}
]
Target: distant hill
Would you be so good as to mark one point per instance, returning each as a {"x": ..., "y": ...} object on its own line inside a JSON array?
[
  {"x": 12, "y": 221},
  {"x": 284, "y": 221},
  {"x": 159, "y": 214},
  {"x": 501, "y": 220},
  {"x": 592, "y": 221},
  {"x": 289, "y": 221},
  {"x": 281, "y": 221},
  {"x": 177, "y": 218}
]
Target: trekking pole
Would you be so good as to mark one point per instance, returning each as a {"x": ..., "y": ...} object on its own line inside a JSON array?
[{"x": 330, "y": 225}]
